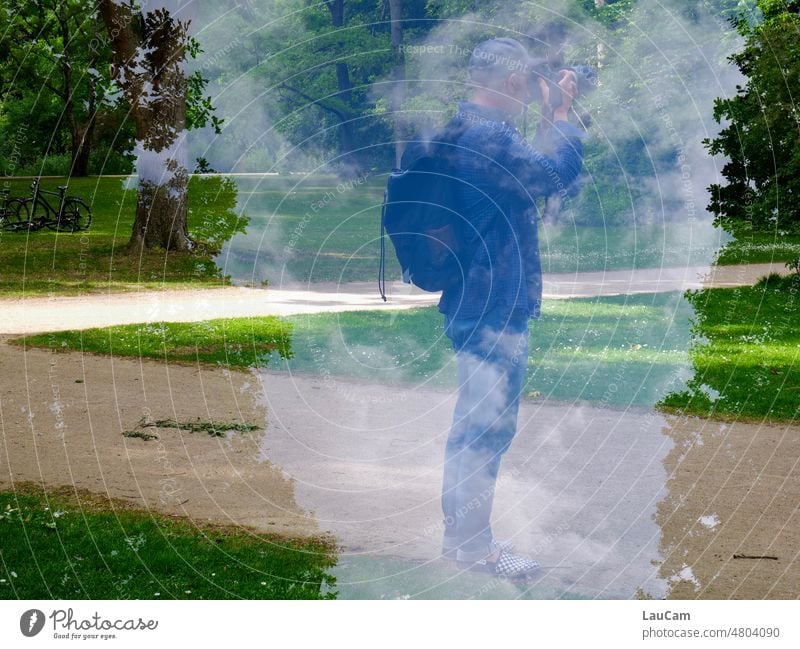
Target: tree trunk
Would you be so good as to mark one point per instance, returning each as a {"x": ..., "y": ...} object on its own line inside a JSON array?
[
  {"x": 161, "y": 207},
  {"x": 161, "y": 215},
  {"x": 80, "y": 156},
  {"x": 601, "y": 50},
  {"x": 67, "y": 92},
  {"x": 82, "y": 136},
  {"x": 347, "y": 136},
  {"x": 399, "y": 78},
  {"x": 155, "y": 86}
]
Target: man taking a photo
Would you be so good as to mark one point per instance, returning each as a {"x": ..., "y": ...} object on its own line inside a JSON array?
[{"x": 486, "y": 315}]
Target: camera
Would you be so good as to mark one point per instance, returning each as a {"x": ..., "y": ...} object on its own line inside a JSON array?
[{"x": 585, "y": 75}]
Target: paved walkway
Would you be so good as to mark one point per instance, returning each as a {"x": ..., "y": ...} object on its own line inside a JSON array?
[{"x": 42, "y": 314}]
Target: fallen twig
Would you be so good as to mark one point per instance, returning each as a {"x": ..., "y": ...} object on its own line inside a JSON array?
[{"x": 213, "y": 428}]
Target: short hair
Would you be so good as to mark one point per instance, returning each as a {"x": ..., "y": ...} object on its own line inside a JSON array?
[{"x": 492, "y": 61}]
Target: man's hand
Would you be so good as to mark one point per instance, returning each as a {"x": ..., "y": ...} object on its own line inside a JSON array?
[{"x": 568, "y": 83}]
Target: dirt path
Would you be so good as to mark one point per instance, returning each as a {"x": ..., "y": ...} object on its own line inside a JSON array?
[
  {"x": 611, "y": 502},
  {"x": 63, "y": 415},
  {"x": 42, "y": 314}
]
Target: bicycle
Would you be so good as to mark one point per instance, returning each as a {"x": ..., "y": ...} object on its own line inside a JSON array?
[
  {"x": 73, "y": 213},
  {"x": 14, "y": 213}
]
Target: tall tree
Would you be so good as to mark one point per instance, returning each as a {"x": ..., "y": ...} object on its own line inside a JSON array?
[
  {"x": 150, "y": 45},
  {"x": 323, "y": 80},
  {"x": 53, "y": 49},
  {"x": 399, "y": 77},
  {"x": 762, "y": 139},
  {"x": 347, "y": 134}
]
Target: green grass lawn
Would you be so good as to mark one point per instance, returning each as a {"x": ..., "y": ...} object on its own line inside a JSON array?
[
  {"x": 237, "y": 342},
  {"x": 279, "y": 229},
  {"x": 746, "y": 353},
  {"x": 759, "y": 248},
  {"x": 63, "y": 545},
  {"x": 316, "y": 229},
  {"x": 45, "y": 262},
  {"x": 618, "y": 351},
  {"x": 577, "y": 350}
]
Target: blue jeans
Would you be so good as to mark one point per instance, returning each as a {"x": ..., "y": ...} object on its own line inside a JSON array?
[{"x": 491, "y": 361}]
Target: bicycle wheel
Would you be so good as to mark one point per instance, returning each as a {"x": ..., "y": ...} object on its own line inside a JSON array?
[
  {"x": 17, "y": 215},
  {"x": 63, "y": 221},
  {"x": 40, "y": 214},
  {"x": 21, "y": 212},
  {"x": 78, "y": 214}
]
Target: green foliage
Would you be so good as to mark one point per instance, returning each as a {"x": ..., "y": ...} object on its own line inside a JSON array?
[
  {"x": 199, "y": 108},
  {"x": 762, "y": 138},
  {"x": 54, "y": 63},
  {"x": 55, "y": 86},
  {"x": 139, "y": 434},
  {"x": 258, "y": 134},
  {"x": 63, "y": 545},
  {"x": 295, "y": 69},
  {"x": 324, "y": 86},
  {"x": 659, "y": 63},
  {"x": 611, "y": 14},
  {"x": 450, "y": 8},
  {"x": 212, "y": 212}
]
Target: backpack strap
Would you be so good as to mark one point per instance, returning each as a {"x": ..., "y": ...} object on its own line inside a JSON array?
[{"x": 382, "y": 263}]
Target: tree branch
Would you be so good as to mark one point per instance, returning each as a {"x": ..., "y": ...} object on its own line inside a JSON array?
[
  {"x": 339, "y": 113},
  {"x": 21, "y": 65}
]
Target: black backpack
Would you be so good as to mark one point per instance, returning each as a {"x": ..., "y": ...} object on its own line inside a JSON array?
[{"x": 421, "y": 216}]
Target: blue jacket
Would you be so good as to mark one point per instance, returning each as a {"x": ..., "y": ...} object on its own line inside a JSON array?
[{"x": 504, "y": 176}]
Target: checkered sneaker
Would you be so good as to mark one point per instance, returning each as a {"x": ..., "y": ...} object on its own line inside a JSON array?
[
  {"x": 509, "y": 566},
  {"x": 450, "y": 551}
]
